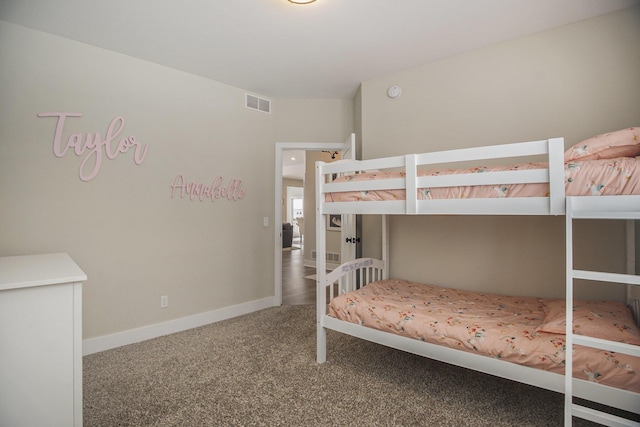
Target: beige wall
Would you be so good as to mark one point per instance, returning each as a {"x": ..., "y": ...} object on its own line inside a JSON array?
[
  {"x": 123, "y": 228},
  {"x": 313, "y": 120},
  {"x": 575, "y": 81}
]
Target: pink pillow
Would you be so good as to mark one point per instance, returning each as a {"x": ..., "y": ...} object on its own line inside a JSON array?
[
  {"x": 600, "y": 319},
  {"x": 622, "y": 143}
]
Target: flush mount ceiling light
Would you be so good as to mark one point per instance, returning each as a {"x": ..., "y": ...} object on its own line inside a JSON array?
[{"x": 301, "y": 1}]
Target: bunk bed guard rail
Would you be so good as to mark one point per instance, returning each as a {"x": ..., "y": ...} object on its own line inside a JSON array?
[{"x": 552, "y": 149}]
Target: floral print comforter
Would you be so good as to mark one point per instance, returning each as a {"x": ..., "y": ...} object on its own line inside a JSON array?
[
  {"x": 523, "y": 330},
  {"x": 620, "y": 176}
]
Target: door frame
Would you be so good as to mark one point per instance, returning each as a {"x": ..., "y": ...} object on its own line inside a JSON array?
[{"x": 281, "y": 147}]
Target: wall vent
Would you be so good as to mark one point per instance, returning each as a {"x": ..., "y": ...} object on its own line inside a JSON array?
[
  {"x": 331, "y": 256},
  {"x": 256, "y": 103}
]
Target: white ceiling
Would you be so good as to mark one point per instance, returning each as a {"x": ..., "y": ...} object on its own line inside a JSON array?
[
  {"x": 281, "y": 50},
  {"x": 293, "y": 164}
]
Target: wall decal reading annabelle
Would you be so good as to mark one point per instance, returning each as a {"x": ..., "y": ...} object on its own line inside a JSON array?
[
  {"x": 93, "y": 146},
  {"x": 217, "y": 190}
]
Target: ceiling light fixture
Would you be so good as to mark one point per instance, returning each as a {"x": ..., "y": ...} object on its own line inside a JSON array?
[
  {"x": 332, "y": 153},
  {"x": 301, "y": 1}
]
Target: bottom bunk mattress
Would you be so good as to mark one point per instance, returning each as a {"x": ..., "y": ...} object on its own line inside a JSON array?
[{"x": 523, "y": 330}]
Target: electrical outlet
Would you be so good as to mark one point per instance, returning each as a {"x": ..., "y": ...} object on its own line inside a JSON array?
[{"x": 164, "y": 301}]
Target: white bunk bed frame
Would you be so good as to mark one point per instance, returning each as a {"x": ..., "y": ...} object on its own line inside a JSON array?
[
  {"x": 612, "y": 207},
  {"x": 364, "y": 271}
]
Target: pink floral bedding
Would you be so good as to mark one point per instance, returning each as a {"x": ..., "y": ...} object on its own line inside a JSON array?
[
  {"x": 523, "y": 330},
  {"x": 619, "y": 176}
]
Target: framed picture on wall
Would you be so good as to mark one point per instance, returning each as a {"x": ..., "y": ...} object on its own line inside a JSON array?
[{"x": 334, "y": 222}]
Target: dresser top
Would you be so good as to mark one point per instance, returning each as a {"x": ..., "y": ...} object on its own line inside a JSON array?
[{"x": 38, "y": 270}]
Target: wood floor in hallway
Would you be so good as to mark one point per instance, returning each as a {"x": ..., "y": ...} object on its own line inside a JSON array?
[{"x": 296, "y": 289}]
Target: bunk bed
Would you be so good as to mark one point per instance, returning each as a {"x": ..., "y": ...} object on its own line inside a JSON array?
[{"x": 409, "y": 185}]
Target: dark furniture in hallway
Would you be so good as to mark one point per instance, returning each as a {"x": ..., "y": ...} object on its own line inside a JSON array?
[{"x": 287, "y": 235}]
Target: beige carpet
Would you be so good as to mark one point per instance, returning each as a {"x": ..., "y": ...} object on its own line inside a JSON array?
[{"x": 260, "y": 370}]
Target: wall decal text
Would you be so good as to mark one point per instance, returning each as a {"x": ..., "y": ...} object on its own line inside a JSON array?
[
  {"x": 217, "y": 190},
  {"x": 93, "y": 147}
]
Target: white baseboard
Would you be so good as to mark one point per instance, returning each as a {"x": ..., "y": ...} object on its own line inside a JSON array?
[{"x": 118, "y": 339}]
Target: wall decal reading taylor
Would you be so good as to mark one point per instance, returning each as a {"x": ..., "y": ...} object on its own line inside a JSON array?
[
  {"x": 93, "y": 147},
  {"x": 217, "y": 189}
]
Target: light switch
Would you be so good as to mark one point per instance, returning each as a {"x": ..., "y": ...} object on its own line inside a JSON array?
[{"x": 265, "y": 221}]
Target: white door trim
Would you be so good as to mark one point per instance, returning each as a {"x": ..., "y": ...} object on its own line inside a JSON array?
[{"x": 281, "y": 147}]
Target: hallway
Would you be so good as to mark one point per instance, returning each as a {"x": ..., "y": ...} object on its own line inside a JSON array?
[{"x": 297, "y": 290}]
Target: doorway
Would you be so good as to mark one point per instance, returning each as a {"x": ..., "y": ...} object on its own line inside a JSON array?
[{"x": 281, "y": 148}]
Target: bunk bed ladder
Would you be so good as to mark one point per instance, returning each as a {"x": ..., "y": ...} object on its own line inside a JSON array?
[{"x": 593, "y": 208}]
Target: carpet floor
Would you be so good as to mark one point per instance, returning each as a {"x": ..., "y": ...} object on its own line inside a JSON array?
[{"x": 260, "y": 370}]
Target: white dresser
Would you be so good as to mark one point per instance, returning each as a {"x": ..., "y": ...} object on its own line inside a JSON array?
[{"x": 40, "y": 341}]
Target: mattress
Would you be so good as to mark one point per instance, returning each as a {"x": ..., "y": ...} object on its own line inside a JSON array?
[
  {"x": 602, "y": 177},
  {"x": 523, "y": 330}
]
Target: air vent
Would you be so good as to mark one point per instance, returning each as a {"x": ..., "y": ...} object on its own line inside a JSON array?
[
  {"x": 256, "y": 103},
  {"x": 330, "y": 256}
]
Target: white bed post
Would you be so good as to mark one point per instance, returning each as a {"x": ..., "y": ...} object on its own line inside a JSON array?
[
  {"x": 556, "y": 176},
  {"x": 568, "y": 372},
  {"x": 385, "y": 246},
  {"x": 630, "y": 235},
  {"x": 411, "y": 190},
  {"x": 321, "y": 269}
]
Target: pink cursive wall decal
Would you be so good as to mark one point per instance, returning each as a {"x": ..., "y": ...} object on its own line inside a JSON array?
[
  {"x": 93, "y": 147},
  {"x": 217, "y": 189}
]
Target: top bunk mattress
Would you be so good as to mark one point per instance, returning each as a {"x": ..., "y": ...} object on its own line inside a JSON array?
[
  {"x": 601, "y": 177},
  {"x": 523, "y": 330}
]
